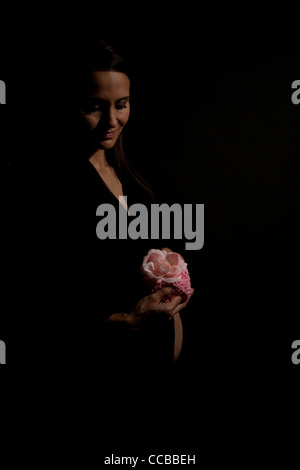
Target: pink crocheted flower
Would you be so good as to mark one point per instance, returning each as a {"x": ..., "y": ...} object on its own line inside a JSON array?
[{"x": 162, "y": 268}]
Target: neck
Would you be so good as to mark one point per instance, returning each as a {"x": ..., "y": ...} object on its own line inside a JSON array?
[{"x": 98, "y": 160}]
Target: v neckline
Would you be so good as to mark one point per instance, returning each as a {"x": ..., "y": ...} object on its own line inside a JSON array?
[{"x": 107, "y": 188}]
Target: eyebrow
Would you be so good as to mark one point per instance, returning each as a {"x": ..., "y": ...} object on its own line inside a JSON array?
[
  {"x": 121, "y": 99},
  {"x": 96, "y": 98}
]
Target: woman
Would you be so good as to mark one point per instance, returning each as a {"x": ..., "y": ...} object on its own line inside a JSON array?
[{"x": 97, "y": 294}]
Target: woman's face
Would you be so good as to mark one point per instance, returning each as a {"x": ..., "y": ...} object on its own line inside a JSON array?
[{"x": 105, "y": 107}]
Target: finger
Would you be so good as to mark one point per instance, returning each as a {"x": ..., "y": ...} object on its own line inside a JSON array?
[
  {"x": 182, "y": 305},
  {"x": 179, "y": 307},
  {"x": 161, "y": 293},
  {"x": 168, "y": 307}
]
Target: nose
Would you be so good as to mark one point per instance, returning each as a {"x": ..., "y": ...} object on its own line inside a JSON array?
[{"x": 112, "y": 118}]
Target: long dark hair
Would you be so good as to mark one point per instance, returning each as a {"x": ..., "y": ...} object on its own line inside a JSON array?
[{"x": 92, "y": 56}]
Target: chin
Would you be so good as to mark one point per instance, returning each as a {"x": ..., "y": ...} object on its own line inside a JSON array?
[{"x": 106, "y": 144}]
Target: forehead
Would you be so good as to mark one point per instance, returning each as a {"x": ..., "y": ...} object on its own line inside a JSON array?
[{"x": 107, "y": 84}]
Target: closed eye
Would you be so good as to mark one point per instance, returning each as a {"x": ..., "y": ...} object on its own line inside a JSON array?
[
  {"x": 122, "y": 103},
  {"x": 96, "y": 104},
  {"x": 93, "y": 105}
]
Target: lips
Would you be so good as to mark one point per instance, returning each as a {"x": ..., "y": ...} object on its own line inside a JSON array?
[{"x": 108, "y": 135}]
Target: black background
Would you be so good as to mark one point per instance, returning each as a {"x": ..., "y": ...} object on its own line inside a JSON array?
[{"x": 212, "y": 122}]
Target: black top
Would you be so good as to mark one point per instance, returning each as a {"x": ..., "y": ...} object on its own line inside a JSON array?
[{"x": 70, "y": 281}]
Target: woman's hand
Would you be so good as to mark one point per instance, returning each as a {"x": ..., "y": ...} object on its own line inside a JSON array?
[{"x": 152, "y": 304}]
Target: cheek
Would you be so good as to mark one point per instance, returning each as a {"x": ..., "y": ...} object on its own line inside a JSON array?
[
  {"x": 89, "y": 122},
  {"x": 124, "y": 118}
]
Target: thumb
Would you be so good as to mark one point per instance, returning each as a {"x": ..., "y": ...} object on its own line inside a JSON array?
[{"x": 161, "y": 293}]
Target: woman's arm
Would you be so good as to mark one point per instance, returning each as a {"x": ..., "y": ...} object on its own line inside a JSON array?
[{"x": 149, "y": 304}]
